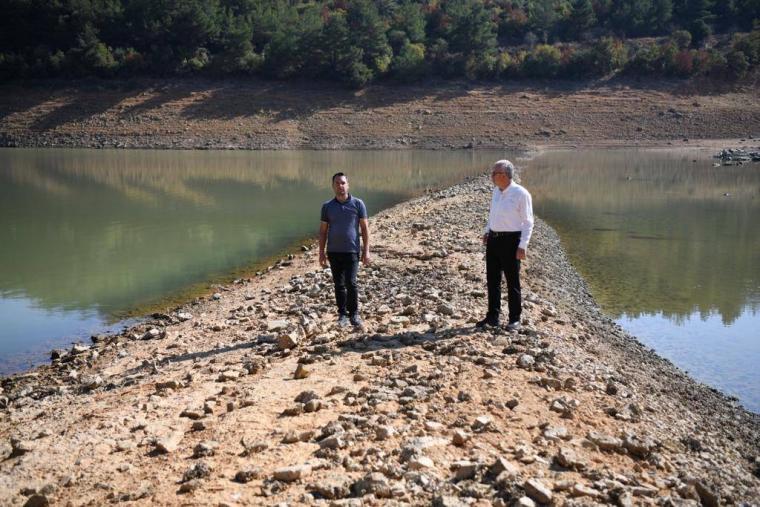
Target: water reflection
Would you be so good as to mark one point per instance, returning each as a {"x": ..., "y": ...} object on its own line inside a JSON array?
[
  {"x": 670, "y": 247},
  {"x": 88, "y": 234},
  {"x": 657, "y": 231}
]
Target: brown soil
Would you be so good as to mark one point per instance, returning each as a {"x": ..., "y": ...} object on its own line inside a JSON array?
[{"x": 271, "y": 115}]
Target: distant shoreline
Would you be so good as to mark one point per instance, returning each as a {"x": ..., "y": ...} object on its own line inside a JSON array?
[{"x": 267, "y": 115}]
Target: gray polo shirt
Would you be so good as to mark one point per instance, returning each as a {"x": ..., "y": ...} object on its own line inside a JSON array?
[{"x": 343, "y": 220}]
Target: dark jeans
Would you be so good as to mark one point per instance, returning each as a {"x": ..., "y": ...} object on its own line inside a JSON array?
[
  {"x": 344, "y": 267},
  {"x": 501, "y": 257}
]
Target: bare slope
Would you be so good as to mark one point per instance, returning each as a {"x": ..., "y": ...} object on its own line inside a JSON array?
[{"x": 263, "y": 115}]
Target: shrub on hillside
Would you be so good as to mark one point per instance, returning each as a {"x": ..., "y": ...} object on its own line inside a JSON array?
[
  {"x": 409, "y": 64},
  {"x": 749, "y": 45},
  {"x": 681, "y": 38},
  {"x": 737, "y": 64},
  {"x": 542, "y": 62},
  {"x": 646, "y": 61}
]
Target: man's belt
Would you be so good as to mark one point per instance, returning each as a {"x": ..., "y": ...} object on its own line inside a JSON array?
[{"x": 503, "y": 234}]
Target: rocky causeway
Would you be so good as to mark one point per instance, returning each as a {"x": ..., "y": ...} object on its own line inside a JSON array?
[{"x": 253, "y": 396}]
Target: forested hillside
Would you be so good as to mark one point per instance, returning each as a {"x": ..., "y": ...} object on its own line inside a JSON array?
[{"x": 357, "y": 42}]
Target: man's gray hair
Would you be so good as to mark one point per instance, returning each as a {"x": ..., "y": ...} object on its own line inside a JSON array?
[{"x": 506, "y": 166}]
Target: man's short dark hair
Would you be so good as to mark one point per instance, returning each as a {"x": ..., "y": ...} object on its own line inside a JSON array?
[{"x": 338, "y": 175}]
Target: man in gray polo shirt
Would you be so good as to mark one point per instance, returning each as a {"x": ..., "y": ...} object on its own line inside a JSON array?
[{"x": 344, "y": 219}]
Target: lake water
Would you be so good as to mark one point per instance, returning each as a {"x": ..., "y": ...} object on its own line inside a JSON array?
[
  {"x": 87, "y": 235},
  {"x": 670, "y": 247},
  {"x": 669, "y": 244}
]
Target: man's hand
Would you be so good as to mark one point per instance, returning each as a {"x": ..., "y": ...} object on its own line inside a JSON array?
[
  {"x": 520, "y": 254},
  {"x": 366, "y": 259},
  {"x": 485, "y": 238},
  {"x": 322, "y": 259}
]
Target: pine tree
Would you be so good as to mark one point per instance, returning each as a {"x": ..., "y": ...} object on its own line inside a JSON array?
[{"x": 581, "y": 19}]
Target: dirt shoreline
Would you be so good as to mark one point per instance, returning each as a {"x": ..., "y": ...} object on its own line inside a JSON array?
[
  {"x": 252, "y": 396},
  {"x": 254, "y": 114}
]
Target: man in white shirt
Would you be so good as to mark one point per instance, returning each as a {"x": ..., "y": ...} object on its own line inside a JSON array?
[{"x": 506, "y": 236}]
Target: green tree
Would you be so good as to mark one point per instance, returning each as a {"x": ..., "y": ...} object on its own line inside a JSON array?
[
  {"x": 408, "y": 18},
  {"x": 409, "y": 64},
  {"x": 543, "y": 15},
  {"x": 367, "y": 31},
  {"x": 581, "y": 19},
  {"x": 543, "y": 61},
  {"x": 737, "y": 64},
  {"x": 470, "y": 27}
]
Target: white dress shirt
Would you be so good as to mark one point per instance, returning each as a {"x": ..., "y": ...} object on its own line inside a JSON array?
[{"x": 511, "y": 211}]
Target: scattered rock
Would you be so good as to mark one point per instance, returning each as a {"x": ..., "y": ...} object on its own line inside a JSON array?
[
  {"x": 168, "y": 443},
  {"x": 538, "y": 491},
  {"x": 20, "y": 447},
  {"x": 460, "y": 438},
  {"x": 526, "y": 361},
  {"x": 292, "y": 473},
  {"x": 248, "y": 474},
  {"x": 199, "y": 470},
  {"x": 301, "y": 372}
]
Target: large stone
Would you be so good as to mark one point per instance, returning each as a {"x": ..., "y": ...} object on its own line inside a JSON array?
[
  {"x": 292, "y": 473},
  {"x": 538, "y": 491},
  {"x": 37, "y": 500},
  {"x": 567, "y": 458},
  {"x": 445, "y": 309},
  {"x": 276, "y": 325},
  {"x": 228, "y": 375},
  {"x": 248, "y": 474},
  {"x": 556, "y": 433},
  {"x": 460, "y": 437},
  {"x": 288, "y": 341},
  {"x": 579, "y": 489},
  {"x": 373, "y": 483},
  {"x": 464, "y": 470},
  {"x": 198, "y": 471},
  {"x": 332, "y": 488},
  {"x": 526, "y": 361},
  {"x": 501, "y": 466},
  {"x": 332, "y": 442},
  {"x": 605, "y": 442},
  {"x": 205, "y": 449},
  {"x": 384, "y": 432},
  {"x": 641, "y": 447},
  {"x": 301, "y": 372},
  {"x": 420, "y": 463},
  {"x": 168, "y": 443},
  {"x": 153, "y": 334},
  {"x": 193, "y": 414}
]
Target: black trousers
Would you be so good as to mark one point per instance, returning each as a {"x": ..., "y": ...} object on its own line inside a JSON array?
[
  {"x": 344, "y": 267},
  {"x": 501, "y": 257}
]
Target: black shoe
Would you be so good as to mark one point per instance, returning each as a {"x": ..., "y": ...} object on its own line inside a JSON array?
[
  {"x": 357, "y": 321},
  {"x": 343, "y": 321},
  {"x": 488, "y": 321},
  {"x": 513, "y": 326}
]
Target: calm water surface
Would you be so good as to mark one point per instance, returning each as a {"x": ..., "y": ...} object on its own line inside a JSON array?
[
  {"x": 88, "y": 235},
  {"x": 670, "y": 246}
]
